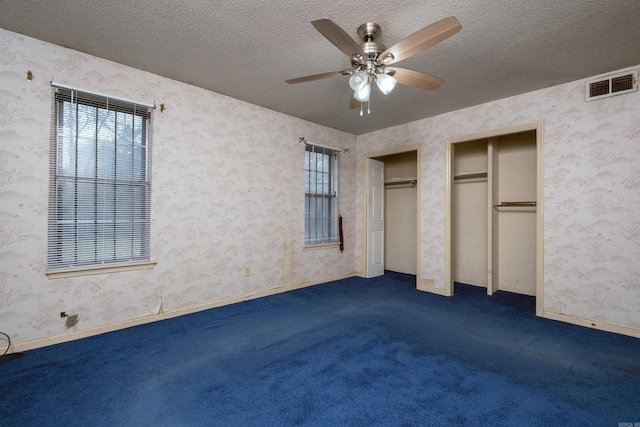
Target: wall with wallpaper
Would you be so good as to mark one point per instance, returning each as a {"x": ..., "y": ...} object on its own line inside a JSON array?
[
  {"x": 591, "y": 194},
  {"x": 225, "y": 196},
  {"x": 228, "y": 192}
]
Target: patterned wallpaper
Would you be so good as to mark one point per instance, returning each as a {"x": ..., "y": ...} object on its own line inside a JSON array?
[
  {"x": 228, "y": 193},
  {"x": 591, "y": 193}
]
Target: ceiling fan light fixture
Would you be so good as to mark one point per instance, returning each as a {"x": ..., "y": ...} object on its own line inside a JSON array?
[
  {"x": 369, "y": 59},
  {"x": 362, "y": 95},
  {"x": 357, "y": 59},
  {"x": 388, "y": 58},
  {"x": 385, "y": 83},
  {"x": 358, "y": 80}
]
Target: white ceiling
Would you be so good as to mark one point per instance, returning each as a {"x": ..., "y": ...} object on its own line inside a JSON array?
[{"x": 247, "y": 49}]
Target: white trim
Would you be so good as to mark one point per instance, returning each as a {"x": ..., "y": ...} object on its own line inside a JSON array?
[
  {"x": 312, "y": 247},
  {"x": 538, "y": 127},
  {"x": 372, "y": 155},
  {"x": 100, "y": 269},
  {"x": 448, "y": 174},
  {"x": 71, "y": 336},
  {"x": 323, "y": 146},
  {"x": 92, "y": 92},
  {"x": 429, "y": 285},
  {"x": 540, "y": 220},
  {"x": 592, "y": 324}
]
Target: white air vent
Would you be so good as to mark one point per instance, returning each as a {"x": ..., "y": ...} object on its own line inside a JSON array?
[{"x": 612, "y": 84}]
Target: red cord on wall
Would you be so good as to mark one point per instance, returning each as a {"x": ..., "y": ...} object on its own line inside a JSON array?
[{"x": 340, "y": 231}]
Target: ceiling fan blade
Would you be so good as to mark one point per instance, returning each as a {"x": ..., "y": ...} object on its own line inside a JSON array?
[
  {"x": 338, "y": 37},
  {"x": 319, "y": 76},
  {"x": 423, "y": 39},
  {"x": 415, "y": 78}
]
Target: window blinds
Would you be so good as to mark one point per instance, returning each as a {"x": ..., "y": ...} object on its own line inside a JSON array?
[
  {"x": 100, "y": 180},
  {"x": 321, "y": 201}
]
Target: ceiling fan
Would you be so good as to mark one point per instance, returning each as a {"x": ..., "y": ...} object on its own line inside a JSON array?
[{"x": 370, "y": 60}]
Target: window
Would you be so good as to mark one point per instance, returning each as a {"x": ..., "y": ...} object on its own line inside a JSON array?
[
  {"x": 99, "y": 182},
  {"x": 321, "y": 195}
]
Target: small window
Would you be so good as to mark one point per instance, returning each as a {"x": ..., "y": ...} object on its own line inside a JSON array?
[
  {"x": 321, "y": 195},
  {"x": 99, "y": 182}
]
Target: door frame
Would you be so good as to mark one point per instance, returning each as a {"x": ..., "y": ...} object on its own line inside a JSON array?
[
  {"x": 365, "y": 241},
  {"x": 538, "y": 127}
]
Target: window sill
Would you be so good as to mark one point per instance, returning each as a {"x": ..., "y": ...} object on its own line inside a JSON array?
[
  {"x": 321, "y": 246},
  {"x": 100, "y": 269}
]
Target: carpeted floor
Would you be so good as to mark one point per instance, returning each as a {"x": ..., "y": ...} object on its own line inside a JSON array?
[{"x": 355, "y": 352}]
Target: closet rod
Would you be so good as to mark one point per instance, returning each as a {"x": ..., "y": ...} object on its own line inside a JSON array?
[
  {"x": 390, "y": 187},
  {"x": 470, "y": 175},
  {"x": 515, "y": 205},
  {"x": 402, "y": 182}
]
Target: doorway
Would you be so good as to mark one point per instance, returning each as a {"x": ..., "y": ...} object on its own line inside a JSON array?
[
  {"x": 493, "y": 219},
  {"x": 392, "y": 212}
]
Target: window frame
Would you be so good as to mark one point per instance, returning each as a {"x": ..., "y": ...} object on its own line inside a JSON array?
[
  {"x": 321, "y": 238},
  {"x": 125, "y": 215}
]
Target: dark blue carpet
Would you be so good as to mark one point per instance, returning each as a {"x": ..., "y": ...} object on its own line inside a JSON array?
[{"x": 354, "y": 352}]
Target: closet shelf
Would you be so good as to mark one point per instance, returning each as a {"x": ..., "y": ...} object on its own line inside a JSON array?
[{"x": 474, "y": 175}]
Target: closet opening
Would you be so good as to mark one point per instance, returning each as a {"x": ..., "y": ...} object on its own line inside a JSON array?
[
  {"x": 392, "y": 223},
  {"x": 494, "y": 212}
]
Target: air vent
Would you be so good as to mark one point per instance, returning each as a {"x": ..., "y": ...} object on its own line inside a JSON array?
[{"x": 612, "y": 84}]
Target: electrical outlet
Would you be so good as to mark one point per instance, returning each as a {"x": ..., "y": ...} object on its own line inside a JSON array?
[
  {"x": 247, "y": 271},
  {"x": 72, "y": 320}
]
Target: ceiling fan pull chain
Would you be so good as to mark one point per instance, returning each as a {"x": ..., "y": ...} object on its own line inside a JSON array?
[
  {"x": 369, "y": 106},
  {"x": 361, "y": 109}
]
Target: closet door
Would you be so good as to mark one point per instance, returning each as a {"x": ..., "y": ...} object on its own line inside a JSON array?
[{"x": 375, "y": 219}]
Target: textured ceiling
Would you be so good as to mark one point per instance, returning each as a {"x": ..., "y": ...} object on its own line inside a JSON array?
[{"x": 247, "y": 49}]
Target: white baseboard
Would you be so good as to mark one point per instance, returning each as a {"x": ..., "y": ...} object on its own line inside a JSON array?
[
  {"x": 592, "y": 324},
  {"x": 429, "y": 285},
  {"x": 84, "y": 333}
]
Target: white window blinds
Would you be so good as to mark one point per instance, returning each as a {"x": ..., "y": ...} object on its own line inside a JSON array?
[
  {"x": 321, "y": 195},
  {"x": 100, "y": 180}
]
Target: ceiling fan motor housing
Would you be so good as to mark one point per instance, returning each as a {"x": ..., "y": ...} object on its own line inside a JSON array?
[
  {"x": 368, "y": 33},
  {"x": 372, "y": 49}
]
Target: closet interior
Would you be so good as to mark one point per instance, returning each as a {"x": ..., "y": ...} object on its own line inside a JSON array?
[
  {"x": 493, "y": 213},
  {"x": 400, "y": 211}
]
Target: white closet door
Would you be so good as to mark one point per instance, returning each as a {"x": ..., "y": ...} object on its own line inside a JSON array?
[{"x": 375, "y": 219}]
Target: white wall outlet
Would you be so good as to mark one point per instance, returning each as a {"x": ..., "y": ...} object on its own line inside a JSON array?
[{"x": 72, "y": 320}]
